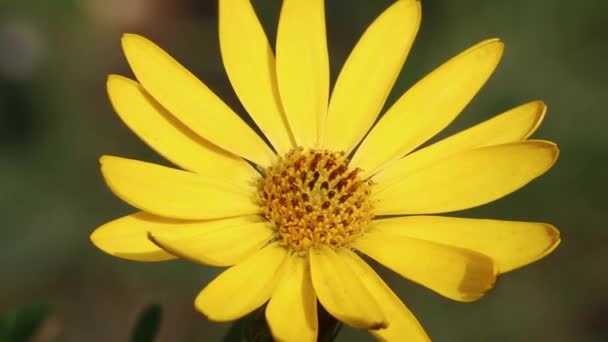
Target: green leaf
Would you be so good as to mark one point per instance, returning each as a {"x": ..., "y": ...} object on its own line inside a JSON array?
[
  {"x": 235, "y": 333},
  {"x": 254, "y": 328},
  {"x": 21, "y": 324},
  {"x": 148, "y": 324},
  {"x": 329, "y": 326}
]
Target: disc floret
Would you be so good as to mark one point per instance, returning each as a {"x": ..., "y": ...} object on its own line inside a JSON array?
[{"x": 312, "y": 197}]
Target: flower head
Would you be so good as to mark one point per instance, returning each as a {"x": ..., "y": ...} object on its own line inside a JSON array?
[{"x": 293, "y": 228}]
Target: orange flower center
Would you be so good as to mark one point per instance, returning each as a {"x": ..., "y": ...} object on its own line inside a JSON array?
[{"x": 312, "y": 197}]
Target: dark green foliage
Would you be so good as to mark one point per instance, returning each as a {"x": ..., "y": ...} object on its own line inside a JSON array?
[
  {"x": 148, "y": 324},
  {"x": 22, "y": 324},
  {"x": 253, "y": 327}
]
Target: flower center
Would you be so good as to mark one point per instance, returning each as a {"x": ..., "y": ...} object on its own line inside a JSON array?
[{"x": 312, "y": 198}]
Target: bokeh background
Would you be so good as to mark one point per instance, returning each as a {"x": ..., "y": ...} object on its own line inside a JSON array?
[{"x": 55, "y": 121}]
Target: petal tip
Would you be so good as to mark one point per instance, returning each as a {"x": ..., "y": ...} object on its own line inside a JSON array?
[
  {"x": 493, "y": 46},
  {"x": 494, "y": 40},
  {"x": 500, "y": 47},
  {"x": 553, "y": 232},
  {"x": 96, "y": 237},
  {"x": 539, "y": 110},
  {"x": 115, "y": 85},
  {"x": 416, "y": 3},
  {"x": 553, "y": 149},
  {"x": 411, "y": 7},
  {"x": 198, "y": 306},
  {"x": 103, "y": 160},
  {"x": 130, "y": 40},
  {"x": 127, "y": 37},
  {"x": 112, "y": 78},
  {"x": 106, "y": 161},
  {"x": 556, "y": 152},
  {"x": 539, "y": 105},
  {"x": 201, "y": 307},
  {"x": 549, "y": 147},
  {"x": 554, "y": 239}
]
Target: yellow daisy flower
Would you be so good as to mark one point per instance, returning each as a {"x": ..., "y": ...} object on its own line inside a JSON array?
[{"x": 293, "y": 217}]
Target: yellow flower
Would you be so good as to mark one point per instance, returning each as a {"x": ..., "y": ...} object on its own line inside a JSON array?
[{"x": 324, "y": 190}]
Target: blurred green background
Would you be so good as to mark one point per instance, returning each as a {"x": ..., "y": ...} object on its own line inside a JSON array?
[{"x": 55, "y": 121}]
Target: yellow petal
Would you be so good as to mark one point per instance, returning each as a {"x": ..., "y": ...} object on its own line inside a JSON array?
[
  {"x": 510, "y": 244},
  {"x": 174, "y": 193},
  {"x": 292, "y": 311},
  {"x": 341, "y": 293},
  {"x": 456, "y": 273},
  {"x": 403, "y": 326},
  {"x": 467, "y": 179},
  {"x": 222, "y": 242},
  {"x": 369, "y": 74},
  {"x": 303, "y": 68},
  {"x": 169, "y": 137},
  {"x": 242, "y": 288},
  {"x": 428, "y": 107},
  {"x": 513, "y": 125},
  {"x": 250, "y": 64},
  {"x": 191, "y": 102},
  {"x": 127, "y": 237}
]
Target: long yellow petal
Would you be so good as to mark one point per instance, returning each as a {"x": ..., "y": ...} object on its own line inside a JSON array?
[
  {"x": 455, "y": 273},
  {"x": 188, "y": 99},
  {"x": 127, "y": 237},
  {"x": 174, "y": 193},
  {"x": 242, "y": 288},
  {"x": 222, "y": 242},
  {"x": 511, "y": 126},
  {"x": 403, "y": 325},
  {"x": 292, "y": 311},
  {"x": 250, "y": 64},
  {"x": 169, "y": 137},
  {"x": 510, "y": 244},
  {"x": 341, "y": 293},
  {"x": 369, "y": 74},
  {"x": 467, "y": 179},
  {"x": 428, "y": 107},
  {"x": 303, "y": 68}
]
